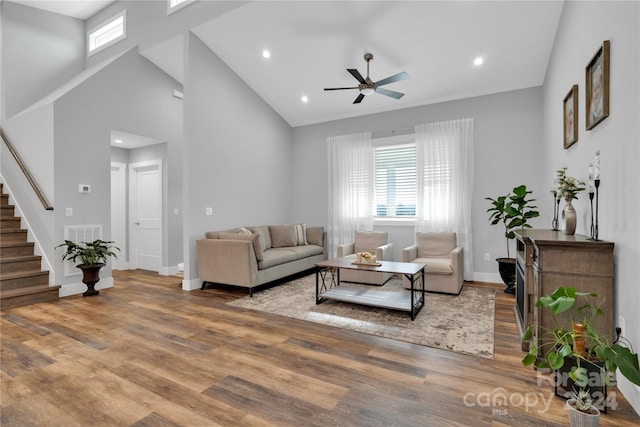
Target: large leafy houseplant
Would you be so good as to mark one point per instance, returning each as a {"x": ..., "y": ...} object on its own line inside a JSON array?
[
  {"x": 575, "y": 339},
  {"x": 92, "y": 257},
  {"x": 513, "y": 211},
  {"x": 89, "y": 253}
]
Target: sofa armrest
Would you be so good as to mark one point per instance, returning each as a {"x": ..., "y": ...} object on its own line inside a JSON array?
[
  {"x": 345, "y": 249},
  {"x": 410, "y": 253},
  {"x": 231, "y": 262},
  {"x": 385, "y": 252}
]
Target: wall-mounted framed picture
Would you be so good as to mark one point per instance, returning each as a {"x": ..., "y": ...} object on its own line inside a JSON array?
[
  {"x": 597, "y": 87},
  {"x": 570, "y": 109}
]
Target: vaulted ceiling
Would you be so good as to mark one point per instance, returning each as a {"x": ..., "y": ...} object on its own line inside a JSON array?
[{"x": 311, "y": 45}]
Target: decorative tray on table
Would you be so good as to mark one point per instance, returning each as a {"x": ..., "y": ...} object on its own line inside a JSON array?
[{"x": 367, "y": 264}]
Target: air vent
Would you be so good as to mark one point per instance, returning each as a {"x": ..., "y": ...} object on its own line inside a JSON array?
[{"x": 78, "y": 234}]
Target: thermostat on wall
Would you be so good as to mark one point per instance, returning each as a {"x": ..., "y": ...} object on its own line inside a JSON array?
[{"x": 84, "y": 188}]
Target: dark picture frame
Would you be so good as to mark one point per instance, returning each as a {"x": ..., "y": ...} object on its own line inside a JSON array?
[
  {"x": 570, "y": 117},
  {"x": 597, "y": 87}
]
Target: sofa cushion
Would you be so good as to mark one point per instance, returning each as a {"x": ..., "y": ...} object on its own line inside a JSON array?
[
  {"x": 276, "y": 256},
  {"x": 301, "y": 234},
  {"x": 435, "y": 244},
  {"x": 315, "y": 236},
  {"x": 436, "y": 265},
  {"x": 253, "y": 238},
  {"x": 283, "y": 236},
  {"x": 305, "y": 251},
  {"x": 265, "y": 235},
  {"x": 368, "y": 241}
]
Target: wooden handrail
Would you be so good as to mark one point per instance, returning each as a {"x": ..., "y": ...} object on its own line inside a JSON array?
[{"x": 26, "y": 173}]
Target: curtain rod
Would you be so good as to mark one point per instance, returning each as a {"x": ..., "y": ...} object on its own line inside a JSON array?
[{"x": 394, "y": 132}]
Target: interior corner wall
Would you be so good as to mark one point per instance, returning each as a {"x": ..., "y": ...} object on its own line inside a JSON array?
[
  {"x": 507, "y": 138},
  {"x": 237, "y": 153},
  {"x": 40, "y": 51},
  {"x": 583, "y": 27},
  {"x": 131, "y": 95}
]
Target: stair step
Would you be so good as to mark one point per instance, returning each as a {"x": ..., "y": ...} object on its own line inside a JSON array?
[
  {"x": 13, "y": 249},
  {"x": 29, "y": 295},
  {"x": 10, "y": 223},
  {"x": 23, "y": 279},
  {"x": 6, "y": 211},
  {"x": 13, "y": 235},
  {"x": 20, "y": 263},
  {"x": 4, "y": 200}
]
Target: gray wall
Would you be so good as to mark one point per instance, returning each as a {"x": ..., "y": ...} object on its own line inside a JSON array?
[
  {"x": 507, "y": 138},
  {"x": 237, "y": 153},
  {"x": 40, "y": 51},
  {"x": 131, "y": 95},
  {"x": 583, "y": 27}
]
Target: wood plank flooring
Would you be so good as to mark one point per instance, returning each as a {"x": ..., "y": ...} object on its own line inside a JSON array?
[{"x": 146, "y": 353}]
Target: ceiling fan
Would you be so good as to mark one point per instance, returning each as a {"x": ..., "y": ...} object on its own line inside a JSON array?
[{"x": 368, "y": 87}]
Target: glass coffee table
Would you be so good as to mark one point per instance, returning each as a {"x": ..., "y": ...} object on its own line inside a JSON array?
[{"x": 328, "y": 285}]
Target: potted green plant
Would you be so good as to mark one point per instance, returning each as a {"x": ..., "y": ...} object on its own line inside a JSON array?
[
  {"x": 92, "y": 256},
  {"x": 513, "y": 210},
  {"x": 577, "y": 347}
]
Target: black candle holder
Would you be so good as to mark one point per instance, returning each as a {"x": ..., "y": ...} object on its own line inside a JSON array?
[
  {"x": 595, "y": 228},
  {"x": 592, "y": 223},
  {"x": 556, "y": 211}
]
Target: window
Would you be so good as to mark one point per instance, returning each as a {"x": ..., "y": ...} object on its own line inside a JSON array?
[
  {"x": 107, "y": 33},
  {"x": 175, "y": 5},
  {"x": 395, "y": 180}
]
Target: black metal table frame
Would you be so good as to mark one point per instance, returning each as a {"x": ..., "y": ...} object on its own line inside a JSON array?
[{"x": 417, "y": 302}]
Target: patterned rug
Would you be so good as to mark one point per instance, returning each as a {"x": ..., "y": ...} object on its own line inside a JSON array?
[{"x": 460, "y": 323}]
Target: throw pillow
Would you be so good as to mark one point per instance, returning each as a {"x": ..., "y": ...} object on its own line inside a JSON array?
[
  {"x": 253, "y": 238},
  {"x": 283, "y": 236},
  {"x": 244, "y": 230},
  {"x": 301, "y": 234}
]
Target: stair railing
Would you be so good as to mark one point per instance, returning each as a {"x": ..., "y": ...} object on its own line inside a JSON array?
[{"x": 26, "y": 172}]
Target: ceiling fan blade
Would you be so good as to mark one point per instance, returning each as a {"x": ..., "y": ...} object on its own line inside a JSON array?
[
  {"x": 359, "y": 99},
  {"x": 355, "y": 73},
  {"x": 340, "y": 88},
  {"x": 391, "y": 93},
  {"x": 396, "y": 78}
]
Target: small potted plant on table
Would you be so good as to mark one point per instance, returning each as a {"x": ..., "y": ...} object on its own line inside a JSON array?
[{"x": 93, "y": 256}]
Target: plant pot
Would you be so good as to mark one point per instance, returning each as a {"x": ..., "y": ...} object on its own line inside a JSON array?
[
  {"x": 582, "y": 419},
  {"x": 597, "y": 386},
  {"x": 507, "y": 269},
  {"x": 90, "y": 276}
]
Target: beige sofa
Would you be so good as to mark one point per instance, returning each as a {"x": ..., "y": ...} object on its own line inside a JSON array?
[{"x": 253, "y": 256}]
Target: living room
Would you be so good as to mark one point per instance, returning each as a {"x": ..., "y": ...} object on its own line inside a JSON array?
[{"x": 283, "y": 168}]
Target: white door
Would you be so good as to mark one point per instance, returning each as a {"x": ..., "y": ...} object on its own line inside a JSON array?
[
  {"x": 146, "y": 215},
  {"x": 119, "y": 213}
]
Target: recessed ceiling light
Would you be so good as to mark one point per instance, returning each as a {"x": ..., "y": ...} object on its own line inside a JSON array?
[
  {"x": 478, "y": 61},
  {"x": 304, "y": 98},
  {"x": 118, "y": 141},
  {"x": 266, "y": 54}
]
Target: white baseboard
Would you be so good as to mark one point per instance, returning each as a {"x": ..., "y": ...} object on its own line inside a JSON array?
[
  {"x": 80, "y": 288},
  {"x": 487, "y": 277},
  {"x": 190, "y": 285},
  {"x": 169, "y": 271}
]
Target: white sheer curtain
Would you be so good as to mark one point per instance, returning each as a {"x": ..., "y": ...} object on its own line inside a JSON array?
[
  {"x": 444, "y": 154},
  {"x": 351, "y": 172}
]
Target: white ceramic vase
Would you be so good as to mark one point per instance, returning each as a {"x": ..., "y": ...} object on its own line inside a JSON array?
[
  {"x": 570, "y": 218},
  {"x": 582, "y": 419}
]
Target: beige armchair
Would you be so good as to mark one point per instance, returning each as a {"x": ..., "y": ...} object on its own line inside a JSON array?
[
  {"x": 366, "y": 241},
  {"x": 444, "y": 260}
]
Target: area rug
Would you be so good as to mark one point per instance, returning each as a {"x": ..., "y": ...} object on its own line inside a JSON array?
[{"x": 460, "y": 323}]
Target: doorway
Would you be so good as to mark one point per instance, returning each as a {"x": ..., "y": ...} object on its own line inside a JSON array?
[{"x": 145, "y": 215}]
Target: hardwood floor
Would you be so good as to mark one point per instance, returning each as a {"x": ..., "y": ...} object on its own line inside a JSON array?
[{"x": 146, "y": 353}]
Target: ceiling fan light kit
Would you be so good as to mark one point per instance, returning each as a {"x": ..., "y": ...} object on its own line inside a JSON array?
[{"x": 369, "y": 87}]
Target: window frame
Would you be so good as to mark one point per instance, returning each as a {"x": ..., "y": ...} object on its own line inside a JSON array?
[
  {"x": 178, "y": 6},
  {"x": 399, "y": 140},
  {"x": 105, "y": 23}
]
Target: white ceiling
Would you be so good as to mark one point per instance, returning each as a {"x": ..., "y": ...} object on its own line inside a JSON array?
[
  {"x": 130, "y": 141},
  {"x": 81, "y": 9},
  {"x": 435, "y": 42}
]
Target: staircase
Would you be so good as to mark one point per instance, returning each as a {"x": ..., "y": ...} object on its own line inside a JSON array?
[{"x": 22, "y": 282}]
